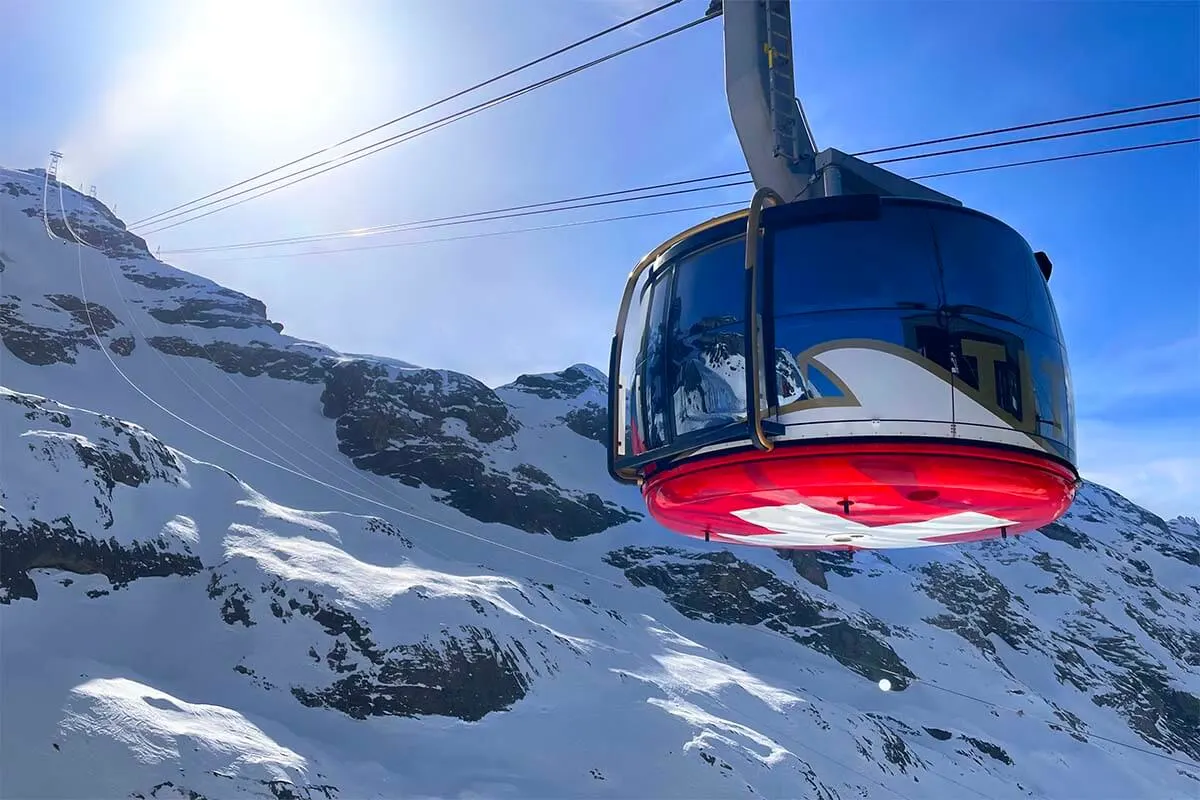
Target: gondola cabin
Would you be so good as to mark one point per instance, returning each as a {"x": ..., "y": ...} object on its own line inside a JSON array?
[
  {"x": 855, "y": 361},
  {"x": 853, "y": 371}
]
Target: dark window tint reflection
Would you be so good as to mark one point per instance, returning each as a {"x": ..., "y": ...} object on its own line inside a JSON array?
[
  {"x": 711, "y": 287},
  {"x": 631, "y": 358},
  {"x": 708, "y": 380},
  {"x": 888, "y": 262},
  {"x": 707, "y": 342},
  {"x": 988, "y": 268},
  {"x": 653, "y": 367}
]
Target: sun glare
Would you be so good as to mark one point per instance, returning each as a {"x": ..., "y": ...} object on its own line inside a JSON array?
[
  {"x": 240, "y": 79},
  {"x": 269, "y": 63}
]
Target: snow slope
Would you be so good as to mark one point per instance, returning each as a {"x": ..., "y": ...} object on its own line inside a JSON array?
[{"x": 399, "y": 582}]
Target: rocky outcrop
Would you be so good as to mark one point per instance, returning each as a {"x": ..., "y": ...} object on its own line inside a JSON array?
[
  {"x": 719, "y": 587},
  {"x": 15, "y": 189},
  {"x": 465, "y": 672},
  {"x": 814, "y": 565},
  {"x": 58, "y": 545},
  {"x": 466, "y": 677},
  {"x": 565, "y": 385},
  {"x": 590, "y": 422},
  {"x": 92, "y": 316},
  {"x": 100, "y": 231},
  {"x": 257, "y": 358},
  {"x": 42, "y": 344},
  {"x": 121, "y": 454},
  {"x": 433, "y": 428},
  {"x": 152, "y": 280},
  {"x": 980, "y": 606},
  {"x": 236, "y": 312},
  {"x": 379, "y": 405}
]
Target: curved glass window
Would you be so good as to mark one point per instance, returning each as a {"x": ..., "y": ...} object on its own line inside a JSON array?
[
  {"x": 710, "y": 288},
  {"x": 707, "y": 363},
  {"x": 630, "y": 412},
  {"x": 653, "y": 394},
  {"x": 989, "y": 270},
  {"x": 930, "y": 319},
  {"x": 833, "y": 265}
]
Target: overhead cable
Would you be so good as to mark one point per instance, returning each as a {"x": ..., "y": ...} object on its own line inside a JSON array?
[{"x": 422, "y": 109}]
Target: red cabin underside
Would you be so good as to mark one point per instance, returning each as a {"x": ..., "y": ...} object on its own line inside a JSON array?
[{"x": 902, "y": 490}]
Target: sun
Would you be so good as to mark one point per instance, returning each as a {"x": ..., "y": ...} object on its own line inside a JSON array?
[{"x": 259, "y": 63}]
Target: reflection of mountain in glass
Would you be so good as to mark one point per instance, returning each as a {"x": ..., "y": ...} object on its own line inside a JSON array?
[
  {"x": 653, "y": 389},
  {"x": 710, "y": 382},
  {"x": 791, "y": 384}
]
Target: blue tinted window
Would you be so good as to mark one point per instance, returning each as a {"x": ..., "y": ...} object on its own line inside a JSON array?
[
  {"x": 887, "y": 262},
  {"x": 989, "y": 269},
  {"x": 706, "y": 348},
  {"x": 710, "y": 289}
]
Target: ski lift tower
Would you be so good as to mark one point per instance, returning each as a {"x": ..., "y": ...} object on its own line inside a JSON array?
[{"x": 52, "y": 169}]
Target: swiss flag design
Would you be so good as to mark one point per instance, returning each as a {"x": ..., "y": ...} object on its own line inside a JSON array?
[{"x": 862, "y": 495}]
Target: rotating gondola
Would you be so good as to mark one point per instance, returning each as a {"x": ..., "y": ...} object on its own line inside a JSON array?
[{"x": 867, "y": 364}]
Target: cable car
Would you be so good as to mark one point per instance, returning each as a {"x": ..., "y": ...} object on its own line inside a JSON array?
[{"x": 869, "y": 364}]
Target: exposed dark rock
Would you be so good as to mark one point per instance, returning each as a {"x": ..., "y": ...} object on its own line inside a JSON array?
[
  {"x": 59, "y": 545},
  {"x": 939, "y": 734},
  {"x": 92, "y": 316},
  {"x": 428, "y": 427},
  {"x": 719, "y": 587},
  {"x": 379, "y": 525},
  {"x": 1066, "y": 581},
  {"x": 38, "y": 344},
  {"x": 1118, "y": 673},
  {"x": 278, "y": 789},
  {"x": 980, "y": 606},
  {"x": 590, "y": 421},
  {"x": 35, "y": 409},
  {"x": 250, "y": 360},
  {"x": 1100, "y": 504},
  {"x": 1158, "y": 712},
  {"x": 808, "y": 565},
  {"x": 109, "y": 235},
  {"x": 152, "y": 280},
  {"x": 466, "y": 674},
  {"x": 1180, "y": 643},
  {"x": 15, "y": 189},
  {"x": 1188, "y": 527},
  {"x": 466, "y": 677},
  {"x": 894, "y": 748},
  {"x": 568, "y": 384},
  {"x": 176, "y": 790},
  {"x": 122, "y": 345},
  {"x": 425, "y": 398},
  {"x": 988, "y": 748},
  {"x": 125, "y": 455},
  {"x": 235, "y": 600},
  {"x": 531, "y": 505},
  {"x": 238, "y": 312},
  {"x": 1062, "y": 533}
]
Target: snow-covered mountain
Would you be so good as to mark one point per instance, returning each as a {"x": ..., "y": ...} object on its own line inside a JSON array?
[{"x": 262, "y": 568}]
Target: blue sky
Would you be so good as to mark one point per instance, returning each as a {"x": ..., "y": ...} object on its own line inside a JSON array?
[{"x": 156, "y": 102}]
